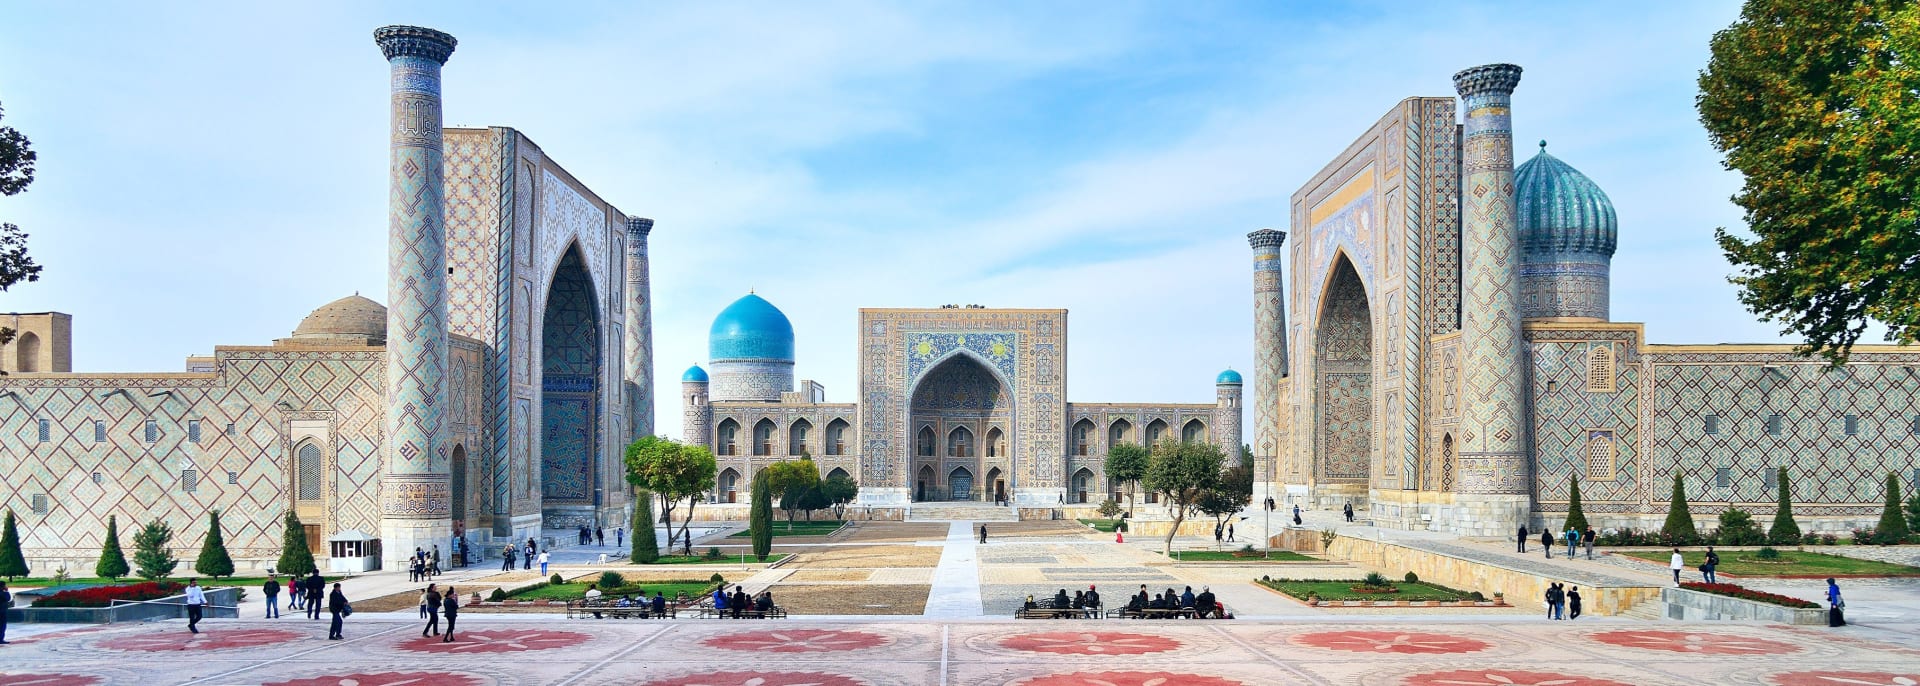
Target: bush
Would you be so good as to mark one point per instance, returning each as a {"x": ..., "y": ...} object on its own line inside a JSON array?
[
  {"x": 1809, "y": 538},
  {"x": 611, "y": 580},
  {"x": 1413, "y": 578},
  {"x": 151, "y": 557},
  {"x": 1576, "y": 518},
  {"x": 1829, "y": 539},
  {"x": 113, "y": 562},
  {"x": 646, "y": 544},
  {"x": 1893, "y": 522},
  {"x": 214, "y": 560},
  {"x": 1109, "y": 508},
  {"x": 1737, "y": 528},
  {"x": 713, "y": 554},
  {"x": 716, "y": 579},
  {"x": 1375, "y": 580},
  {"x": 103, "y": 596},
  {"x": 296, "y": 560},
  {"x": 556, "y": 580},
  {"x": 760, "y": 517},
  {"x": 13, "y": 562},
  {"x": 1767, "y": 553},
  {"x": 1477, "y": 597},
  {"x": 497, "y": 595}
]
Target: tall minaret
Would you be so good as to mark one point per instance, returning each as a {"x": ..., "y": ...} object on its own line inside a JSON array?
[
  {"x": 639, "y": 331},
  {"x": 415, "y": 500},
  {"x": 1269, "y": 362},
  {"x": 696, "y": 419},
  {"x": 1493, "y": 460},
  {"x": 1226, "y": 415}
]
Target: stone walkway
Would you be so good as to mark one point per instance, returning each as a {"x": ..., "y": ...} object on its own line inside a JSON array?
[{"x": 956, "y": 581}]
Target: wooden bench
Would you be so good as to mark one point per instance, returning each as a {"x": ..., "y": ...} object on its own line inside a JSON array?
[
  {"x": 1154, "y": 613},
  {"x": 707, "y": 612},
  {"x": 600, "y": 609},
  {"x": 1057, "y": 613}
]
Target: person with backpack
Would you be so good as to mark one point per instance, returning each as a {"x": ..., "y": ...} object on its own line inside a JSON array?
[
  {"x": 1573, "y": 603},
  {"x": 1708, "y": 568},
  {"x": 338, "y": 607}
]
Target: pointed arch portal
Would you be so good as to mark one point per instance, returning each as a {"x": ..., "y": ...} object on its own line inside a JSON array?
[{"x": 570, "y": 358}]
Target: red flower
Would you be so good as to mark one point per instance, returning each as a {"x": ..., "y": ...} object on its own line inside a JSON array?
[
  {"x": 103, "y": 596},
  {"x": 1744, "y": 593}
]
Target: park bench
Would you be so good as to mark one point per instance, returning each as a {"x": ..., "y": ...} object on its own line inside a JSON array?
[
  {"x": 582, "y": 609},
  {"x": 1057, "y": 613},
  {"x": 707, "y": 612}
]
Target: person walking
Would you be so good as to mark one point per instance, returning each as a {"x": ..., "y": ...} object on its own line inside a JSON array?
[
  {"x": 1834, "y": 608},
  {"x": 6, "y": 601},
  {"x": 1349, "y": 512},
  {"x": 543, "y": 563},
  {"x": 1546, "y": 541},
  {"x": 1712, "y": 565},
  {"x": 1676, "y": 563},
  {"x": 620, "y": 537},
  {"x": 506, "y": 558},
  {"x": 983, "y": 533},
  {"x": 271, "y": 589},
  {"x": 1229, "y": 532},
  {"x": 433, "y": 563},
  {"x": 430, "y": 611},
  {"x": 1523, "y": 538},
  {"x": 1587, "y": 538},
  {"x": 450, "y": 606},
  {"x": 1573, "y": 541},
  {"x": 316, "y": 587},
  {"x": 600, "y": 535},
  {"x": 196, "y": 603},
  {"x": 1573, "y": 603},
  {"x": 338, "y": 607},
  {"x": 1219, "y": 533}
]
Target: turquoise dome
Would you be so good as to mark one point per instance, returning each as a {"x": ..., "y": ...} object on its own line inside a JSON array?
[
  {"x": 750, "y": 329},
  {"x": 695, "y": 373},
  {"x": 1228, "y": 376},
  {"x": 1560, "y": 210}
]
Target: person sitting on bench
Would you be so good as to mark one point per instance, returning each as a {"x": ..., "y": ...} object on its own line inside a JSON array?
[
  {"x": 1030, "y": 604},
  {"x": 765, "y": 602},
  {"x": 1186, "y": 597},
  {"x": 1061, "y": 601},
  {"x": 659, "y": 604},
  {"x": 1093, "y": 597},
  {"x": 1205, "y": 604}
]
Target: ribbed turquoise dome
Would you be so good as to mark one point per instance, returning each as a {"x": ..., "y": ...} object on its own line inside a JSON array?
[
  {"x": 695, "y": 373},
  {"x": 1560, "y": 210},
  {"x": 1228, "y": 376},
  {"x": 750, "y": 329}
]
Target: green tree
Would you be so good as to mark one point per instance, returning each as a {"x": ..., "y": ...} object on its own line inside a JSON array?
[
  {"x": 151, "y": 558},
  {"x": 674, "y": 470},
  {"x": 1737, "y": 528},
  {"x": 1127, "y": 463},
  {"x": 1229, "y": 496},
  {"x": 214, "y": 560},
  {"x": 839, "y": 490},
  {"x": 1811, "y": 101},
  {"x": 1893, "y": 523},
  {"x": 791, "y": 479},
  {"x": 1913, "y": 512},
  {"x": 1679, "y": 527},
  {"x": 646, "y": 545},
  {"x": 295, "y": 559},
  {"x": 1183, "y": 471},
  {"x": 1576, "y": 519},
  {"x": 16, "y": 173},
  {"x": 113, "y": 563},
  {"x": 1784, "y": 530},
  {"x": 13, "y": 562},
  {"x": 760, "y": 519}
]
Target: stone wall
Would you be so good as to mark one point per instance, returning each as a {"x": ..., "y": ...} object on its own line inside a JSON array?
[
  {"x": 1522, "y": 588},
  {"x": 1685, "y": 605}
]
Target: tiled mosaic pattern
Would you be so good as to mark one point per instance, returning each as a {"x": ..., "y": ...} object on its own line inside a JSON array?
[{"x": 1492, "y": 439}]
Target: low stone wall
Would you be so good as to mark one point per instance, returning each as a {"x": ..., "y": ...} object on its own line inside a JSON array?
[
  {"x": 1683, "y": 604},
  {"x": 1521, "y": 588},
  {"x": 221, "y": 602}
]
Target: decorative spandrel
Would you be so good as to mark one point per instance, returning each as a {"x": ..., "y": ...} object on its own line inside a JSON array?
[{"x": 1000, "y": 350}]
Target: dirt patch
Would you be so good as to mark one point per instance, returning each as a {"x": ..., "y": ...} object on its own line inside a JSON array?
[
  {"x": 868, "y": 599},
  {"x": 892, "y": 532},
  {"x": 1038, "y": 528},
  {"x": 830, "y": 575},
  {"x": 869, "y": 557}
]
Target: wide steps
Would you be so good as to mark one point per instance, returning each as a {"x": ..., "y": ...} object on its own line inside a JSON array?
[{"x": 948, "y": 512}]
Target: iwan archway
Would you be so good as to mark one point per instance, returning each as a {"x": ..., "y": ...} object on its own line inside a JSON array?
[
  {"x": 1343, "y": 363},
  {"x": 570, "y": 389},
  {"x": 958, "y": 400}
]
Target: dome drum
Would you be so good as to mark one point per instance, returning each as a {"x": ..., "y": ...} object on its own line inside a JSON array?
[{"x": 1567, "y": 231}]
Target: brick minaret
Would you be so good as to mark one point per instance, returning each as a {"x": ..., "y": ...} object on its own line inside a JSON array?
[
  {"x": 415, "y": 497},
  {"x": 1493, "y": 459}
]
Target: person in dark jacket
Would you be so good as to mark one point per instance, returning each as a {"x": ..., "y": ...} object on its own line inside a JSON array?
[
  {"x": 1093, "y": 597},
  {"x": 1523, "y": 538},
  {"x": 316, "y": 590},
  {"x": 6, "y": 601},
  {"x": 430, "y": 606},
  {"x": 450, "y": 606},
  {"x": 1546, "y": 541},
  {"x": 271, "y": 589},
  {"x": 659, "y": 603},
  {"x": 337, "y": 606},
  {"x": 1573, "y": 603}
]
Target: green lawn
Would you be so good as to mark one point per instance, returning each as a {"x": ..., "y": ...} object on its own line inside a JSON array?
[
  {"x": 574, "y": 591},
  {"x": 1797, "y": 563},
  {"x": 1342, "y": 590},
  {"x": 730, "y": 559},
  {"x": 1107, "y": 525},
  {"x": 1228, "y": 556},
  {"x": 782, "y": 528}
]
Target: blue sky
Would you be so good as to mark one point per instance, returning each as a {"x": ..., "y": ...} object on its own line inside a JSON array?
[{"x": 211, "y": 173}]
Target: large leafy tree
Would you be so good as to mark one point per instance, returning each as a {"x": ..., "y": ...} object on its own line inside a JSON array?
[
  {"x": 1183, "y": 471},
  {"x": 1229, "y": 496},
  {"x": 646, "y": 545},
  {"x": 674, "y": 470},
  {"x": 1127, "y": 463},
  {"x": 113, "y": 562},
  {"x": 839, "y": 490},
  {"x": 790, "y": 480},
  {"x": 214, "y": 560},
  {"x": 151, "y": 557},
  {"x": 13, "y": 562},
  {"x": 16, "y": 173},
  {"x": 1813, "y": 102},
  {"x": 296, "y": 559}
]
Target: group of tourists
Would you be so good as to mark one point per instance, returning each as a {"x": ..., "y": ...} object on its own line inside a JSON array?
[
  {"x": 656, "y": 606},
  {"x": 1203, "y": 604},
  {"x": 739, "y": 603},
  {"x": 304, "y": 594},
  {"x": 423, "y": 565},
  {"x": 1573, "y": 538},
  {"x": 1708, "y": 567},
  {"x": 509, "y": 556},
  {"x": 1082, "y": 600},
  {"x": 1562, "y": 603},
  {"x": 598, "y": 536},
  {"x": 434, "y": 605}
]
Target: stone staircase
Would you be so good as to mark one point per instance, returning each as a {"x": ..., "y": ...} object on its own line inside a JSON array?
[
  {"x": 1648, "y": 609},
  {"x": 961, "y": 512}
]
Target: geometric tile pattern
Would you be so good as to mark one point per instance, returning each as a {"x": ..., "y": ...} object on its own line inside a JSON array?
[
  {"x": 570, "y": 360},
  {"x": 1269, "y": 347},
  {"x": 638, "y": 343},
  {"x": 1492, "y": 440},
  {"x": 1564, "y": 411},
  {"x": 1344, "y": 366}
]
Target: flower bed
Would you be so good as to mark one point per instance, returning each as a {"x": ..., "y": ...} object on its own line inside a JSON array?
[
  {"x": 1744, "y": 593},
  {"x": 103, "y": 596}
]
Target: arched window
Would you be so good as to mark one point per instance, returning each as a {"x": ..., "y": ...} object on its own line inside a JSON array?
[
  {"x": 1600, "y": 455},
  {"x": 729, "y": 437},
  {"x": 797, "y": 436},
  {"x": 306, "y": 479},
  {"x": 926, "y": 441},
  {"x": 729, "y": 483},
  {"x": 1600, "y": 369},
  {"x": 996, "y": 443},
  {"x": 837, "y": 437},
  {"x": 1082, "y": 437},
  {"x": 838, "y": 473},
  {"x": 1194, "y": 432},
  {"x": 960, "y": 442},
  {"x": 1120, "y": 432},
  {"x": 1156, "y": 430},
  {"x": 1082, "y": 482},
  {"x": 458, "y": 469},
  {"x": 28, "y": 350},
  {"x": 1446, "y": 463},
  {"x": 763, "y": 437}
]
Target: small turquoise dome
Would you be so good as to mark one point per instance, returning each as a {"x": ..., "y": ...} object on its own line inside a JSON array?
[
  {"x": 1228, "y": 376},
  {"x": 1560, "y": 210},
  {"x": 750, "y": 329},
  {"x": 695, "y": 373}
]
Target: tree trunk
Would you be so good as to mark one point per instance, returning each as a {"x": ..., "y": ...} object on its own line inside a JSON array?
[{"x": 1179, "y": 515}]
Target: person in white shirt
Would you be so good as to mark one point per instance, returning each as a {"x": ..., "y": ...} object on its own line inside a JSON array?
[
  {"x": 593, "y": 594},
  {"x": 1677, "y": 563},
  {"x": 196, "y": 600},
  {"x": 543, "y": 563}
]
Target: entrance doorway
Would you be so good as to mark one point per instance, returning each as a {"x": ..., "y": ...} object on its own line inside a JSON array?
[{"x": 960, "y": 482}]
